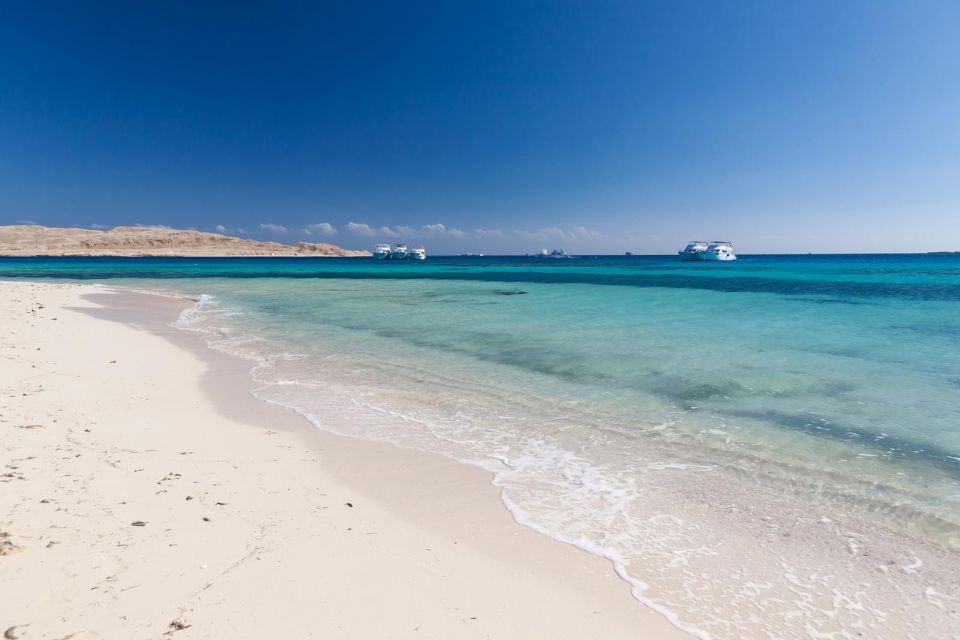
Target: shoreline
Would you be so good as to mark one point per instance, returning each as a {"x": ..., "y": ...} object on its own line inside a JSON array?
[
  {"x": 445, "y": 550},
  {"x": 218, "y": 256}
]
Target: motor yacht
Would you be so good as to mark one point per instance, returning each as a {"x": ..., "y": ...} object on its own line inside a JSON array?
[
  {"x": 693, "y": 250},
  {"x": 719, "y": 251},
  {"x": 556, "y": 253}
]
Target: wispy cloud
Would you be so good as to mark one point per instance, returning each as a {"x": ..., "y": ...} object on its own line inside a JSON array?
[
  {"x": 546, "y": 233},
  {"x": 437, "y": 230},
  {"x": 490, "y": 234},
  {"x": 363, "y": 229},
  {"x": 320, "y": 229},
  {"x": 230, "y": 231},
  {"x": 558, "y": 234},
  {"x": 517, "y": 237},
  {"x": 582, "y": 233}
]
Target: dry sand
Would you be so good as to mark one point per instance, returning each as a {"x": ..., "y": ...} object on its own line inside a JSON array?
[{"x": 145, "y": 494}]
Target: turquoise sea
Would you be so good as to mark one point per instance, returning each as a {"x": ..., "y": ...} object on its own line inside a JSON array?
[{"x": 764, "y": 448}]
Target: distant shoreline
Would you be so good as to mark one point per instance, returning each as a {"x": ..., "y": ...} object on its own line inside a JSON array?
[
  {"x": 167, "y": 255},
  {"x": 150, "y": 242}
]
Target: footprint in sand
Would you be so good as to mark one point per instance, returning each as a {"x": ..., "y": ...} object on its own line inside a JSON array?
[{"x": 7, "y": 547}]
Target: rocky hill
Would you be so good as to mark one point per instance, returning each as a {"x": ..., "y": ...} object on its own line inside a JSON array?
[{"x": 33, "y": 240}]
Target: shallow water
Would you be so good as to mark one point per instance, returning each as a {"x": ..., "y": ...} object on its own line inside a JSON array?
[{"x": 769, "y": 448}]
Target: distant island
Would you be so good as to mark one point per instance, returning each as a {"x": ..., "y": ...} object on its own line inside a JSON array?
[{"x": 35, "y": 240}]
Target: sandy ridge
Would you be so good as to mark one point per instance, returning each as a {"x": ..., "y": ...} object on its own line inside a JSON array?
[{"x": 35, "y": 240}]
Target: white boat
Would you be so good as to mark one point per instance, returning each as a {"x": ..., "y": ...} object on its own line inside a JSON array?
[
  {"x": 693, "y": 250},
  {"x": 716, "y": 251},
  {"x": 417, "y": 253},
  {"x": 399, "y": 251},
  {"x": 381, "y": 251},
  {"x": 719, "y": 251},
  {"x": 556, "y": 253}
]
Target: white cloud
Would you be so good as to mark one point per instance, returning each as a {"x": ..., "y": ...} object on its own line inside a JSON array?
[
  {"x": 269, "y": 227},
  {"x": 438, "y": 230},
  {"x": 100, "y": 227},
  {"x": 320, "y": 228},
  {"x": 220, "y": 228},
  {"x": 363, "y": 229},
  {"x": 433, "y": 229}
]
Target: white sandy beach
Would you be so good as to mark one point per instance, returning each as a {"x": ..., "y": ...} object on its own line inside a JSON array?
[{"x": 146, "y": 494}]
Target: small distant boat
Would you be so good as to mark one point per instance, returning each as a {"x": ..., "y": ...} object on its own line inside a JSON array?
[
  {"x": 556, "y": 253},
  {"x": 693, "y": 250},
  {"x": 399, "y": 251},
  {"x": 417, "y": 253},
  {"x": 382, "y": 251},
  {"x": 716, "y": 251}
]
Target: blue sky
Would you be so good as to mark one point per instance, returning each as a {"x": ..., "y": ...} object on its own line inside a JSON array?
[{"x": 490, "y": 126}]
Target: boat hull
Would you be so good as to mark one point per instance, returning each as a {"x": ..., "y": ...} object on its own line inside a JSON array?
[{"x": 706, "y": 256}]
